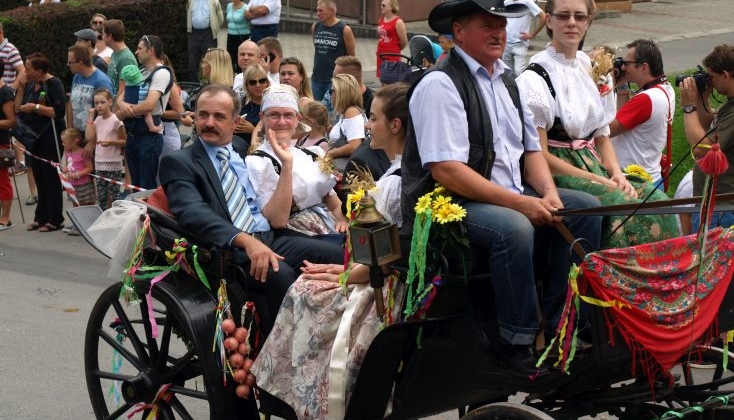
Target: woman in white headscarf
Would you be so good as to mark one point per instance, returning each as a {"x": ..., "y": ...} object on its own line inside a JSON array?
[{"x": 315, "y": 209}]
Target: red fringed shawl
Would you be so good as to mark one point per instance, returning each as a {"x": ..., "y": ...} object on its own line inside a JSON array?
[{"x": 667, "y": 303}]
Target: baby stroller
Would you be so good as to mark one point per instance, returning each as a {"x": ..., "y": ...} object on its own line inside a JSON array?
[{"x": 409, "y": 69}]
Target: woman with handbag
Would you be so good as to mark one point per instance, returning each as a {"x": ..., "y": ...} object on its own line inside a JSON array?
[
  {"x": 41, "y": 104},
  {"x": 238, "y": 29},
  {"x": 312, "y": 208},
  {"x": 392, "y": 36},
  {"x": 7, "y": 154},
  {"x": 348, "y": 132}
]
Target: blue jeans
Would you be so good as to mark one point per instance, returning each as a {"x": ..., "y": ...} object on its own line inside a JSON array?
[
  {"x": 723, "y": 219},
  {"x": 319, "y": 89},
  {"x": 142, "y": 153},
  {"x": 510, "y": 239},
  {"x": 258, "y": 32}
]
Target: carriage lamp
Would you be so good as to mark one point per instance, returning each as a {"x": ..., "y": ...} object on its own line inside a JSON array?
[{"x": 375, "y": 243}]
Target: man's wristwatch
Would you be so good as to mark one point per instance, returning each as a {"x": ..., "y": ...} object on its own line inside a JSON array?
[{"x": 687, "y": 109}]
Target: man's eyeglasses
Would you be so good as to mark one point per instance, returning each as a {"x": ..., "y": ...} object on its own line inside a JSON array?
[
  {"x": 253, "y": 82},
  {"x": 97, "y": 22},
  {"x": 72, "y": 62},
  {"x": 578, "y": 17},
  {"x": 276, "y": 116},
  {"x": 629, "y": 63},
  {"x": 145, "y": 39}
]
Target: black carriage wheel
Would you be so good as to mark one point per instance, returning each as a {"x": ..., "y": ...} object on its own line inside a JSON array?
[
  {"x": 125, "y": 366},
  {"x": 506, "y": 411},
  {"x": 703, "y": 375}
]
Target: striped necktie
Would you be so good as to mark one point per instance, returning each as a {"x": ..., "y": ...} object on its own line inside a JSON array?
[{"x": 234, "y": 193}]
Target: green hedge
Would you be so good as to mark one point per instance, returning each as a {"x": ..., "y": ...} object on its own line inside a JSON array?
[{"x": 50, "y": 29}]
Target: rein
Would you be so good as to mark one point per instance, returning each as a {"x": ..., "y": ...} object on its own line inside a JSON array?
[{"x": 653, "y": 207}]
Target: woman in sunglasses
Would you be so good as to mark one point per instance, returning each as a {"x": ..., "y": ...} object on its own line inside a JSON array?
[
  {"x": 255, "y": 81},
  {"x": 574, "y": 129}
]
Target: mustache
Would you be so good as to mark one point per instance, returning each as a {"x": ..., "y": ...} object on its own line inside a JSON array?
[{"x": 209, "y": 130}]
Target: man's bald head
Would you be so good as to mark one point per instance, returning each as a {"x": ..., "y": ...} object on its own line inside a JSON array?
[{"x": 248, "y": 54}]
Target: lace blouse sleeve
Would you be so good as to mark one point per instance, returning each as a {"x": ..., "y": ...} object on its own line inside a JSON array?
[
  {"x": 387, "y": 198},
  {"x": 536, "y": 94}
]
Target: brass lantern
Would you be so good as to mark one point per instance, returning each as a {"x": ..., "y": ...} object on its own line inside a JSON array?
[{"x": 375, "y": 243}]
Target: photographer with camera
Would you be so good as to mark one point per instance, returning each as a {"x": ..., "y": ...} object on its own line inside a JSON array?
[
  {"x": 694, "y": 94},
  {"x": 641, "y": 128}
]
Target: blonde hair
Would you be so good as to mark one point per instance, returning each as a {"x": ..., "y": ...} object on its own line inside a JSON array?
[
  {"x": 348, "y": 93},
  {"x": 253, "y": 72},
  {"x": 221, "y": 66},
  {"x": 73, "y": 133},
  {"x": 394, "y": 6},
  {"x": 316, "y": 112}
]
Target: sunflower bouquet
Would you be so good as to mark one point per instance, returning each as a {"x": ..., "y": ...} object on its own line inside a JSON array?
[
  {"x": 638, "y": 171},
  {"x": 438, "y": 219}
]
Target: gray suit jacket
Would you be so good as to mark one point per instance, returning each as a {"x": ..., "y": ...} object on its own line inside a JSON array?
[{"x": 195, "y": 193}]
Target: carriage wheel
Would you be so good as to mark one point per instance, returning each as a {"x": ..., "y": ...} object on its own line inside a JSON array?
[
  {"x": 506, "y": 411},
  {"x": 126, "y": 367},
  {"x": 703, "y": 374}
]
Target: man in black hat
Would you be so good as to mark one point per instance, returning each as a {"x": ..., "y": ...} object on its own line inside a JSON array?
[{"x": 476, "y": 141}]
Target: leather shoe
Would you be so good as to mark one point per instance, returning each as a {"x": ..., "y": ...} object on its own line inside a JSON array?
[{"x": 520, "y": 360}]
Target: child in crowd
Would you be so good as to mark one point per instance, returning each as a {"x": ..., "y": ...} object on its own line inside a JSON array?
[
  {"x": 133, "y": 79},
  {"x": 316, "y": 116},
  {"x": 446, "y": 41},
  {"x": 77, "y": 168},
  {"x": 109, "y": 135}
]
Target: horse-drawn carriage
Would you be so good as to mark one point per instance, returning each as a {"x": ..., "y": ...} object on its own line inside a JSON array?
[{"x": 158, "y": 359}]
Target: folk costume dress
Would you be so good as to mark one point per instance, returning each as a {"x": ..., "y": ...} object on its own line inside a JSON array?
[
  {"x": 295, "y": 361},
  {"x": 577, "y": 109}
]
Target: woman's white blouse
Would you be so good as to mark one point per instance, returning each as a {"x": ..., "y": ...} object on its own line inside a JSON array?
[{"x": 310, "y": 184}]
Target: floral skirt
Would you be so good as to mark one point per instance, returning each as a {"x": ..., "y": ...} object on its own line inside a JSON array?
[
  {"x": 294, "y": 363},
  {"x": 636, "y": 230}
]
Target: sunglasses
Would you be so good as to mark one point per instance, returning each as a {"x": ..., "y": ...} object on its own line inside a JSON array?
[
  {"x": 97, "y": 22},
  {"x": 578, "y": 17},
  {"x": 146, "y": 40},
  {"x": 254, "y": 82}
]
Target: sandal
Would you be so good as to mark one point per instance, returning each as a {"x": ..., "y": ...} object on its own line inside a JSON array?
[
  {"x": 33, "y": 226},
  {"x": 49, "y": 227},
  {"x": 6, "y": 226},
  {"x": 32, "y": 199}
]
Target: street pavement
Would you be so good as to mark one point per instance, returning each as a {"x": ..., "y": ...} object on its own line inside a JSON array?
[{"x": 50, "y": 281}]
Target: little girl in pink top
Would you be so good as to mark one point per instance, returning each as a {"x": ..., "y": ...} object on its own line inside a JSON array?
[
  {"x": 108, "y": 133},
  {"x": 77, "y": 168}
]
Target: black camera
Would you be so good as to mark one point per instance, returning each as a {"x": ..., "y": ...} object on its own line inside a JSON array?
[
  {"x": 618, "y": 62},
  {"x": 700, "y": 76}
]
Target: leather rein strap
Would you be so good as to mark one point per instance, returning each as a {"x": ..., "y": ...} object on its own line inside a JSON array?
[{"x": 724, "y": 202}]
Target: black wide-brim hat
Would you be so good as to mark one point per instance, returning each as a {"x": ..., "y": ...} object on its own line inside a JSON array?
[{"x": 442, "y": 17}]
